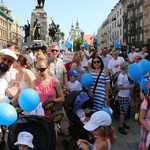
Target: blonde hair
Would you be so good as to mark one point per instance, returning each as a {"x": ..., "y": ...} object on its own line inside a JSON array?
[
  {"x": 77, "y": 58},
  {"x": 52, "y": 46},
  {"x": 108, "y": 132},
  {"x": 43, "y": 59}
]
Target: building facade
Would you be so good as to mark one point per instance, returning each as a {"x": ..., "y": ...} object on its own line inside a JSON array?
[
  {"x": 146, "y": 16},
  {"x": 9, "y": 31}
]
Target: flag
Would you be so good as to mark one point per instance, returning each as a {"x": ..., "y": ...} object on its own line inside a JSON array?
[
  {"x": 68, "y": 39},
  {"x": 34, "y": 29},
  {"x": 92, "y": 39},
  {"x": 16, "y": 21}
]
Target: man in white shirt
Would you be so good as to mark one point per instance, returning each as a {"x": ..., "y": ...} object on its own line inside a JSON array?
[
  {"x": 30, "y": 58},
  {"x": 143, "y": 52},
  {"x": 131, "y": 55},
  {"x": 105, "y": 57},
  {"x": 86, "y": 56},
  {"x": 114, "y": 62}
]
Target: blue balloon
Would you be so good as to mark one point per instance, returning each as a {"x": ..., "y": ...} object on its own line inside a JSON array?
[
  {"x": 86, "y": 80},
  {"x": 108, "y": 110},
  {"x": 145, "y": 65},
  {"x": 28, "y": 99},
  {"x": 85, "y": 44},
  {"x": 117, "y": 45},
  {"x": 143, "y": 84},
  {"x": 135, "y": 72},
  {"x": 68, "y": 44},
  {"x": 8, "y": 114}
]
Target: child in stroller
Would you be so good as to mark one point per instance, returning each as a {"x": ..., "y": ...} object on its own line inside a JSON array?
[
  {"x": 42, "y": 131},
  {"x": 75, "y": 102},
  {"x": 41, "y": 127},
  {"x": 24, "y": 141}
]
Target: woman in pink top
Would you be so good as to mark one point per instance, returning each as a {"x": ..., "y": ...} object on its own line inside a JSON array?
[{"x": 47, "y": 87}]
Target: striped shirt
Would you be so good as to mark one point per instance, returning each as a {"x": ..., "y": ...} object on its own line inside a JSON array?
[{"x": 100, "y": 91}]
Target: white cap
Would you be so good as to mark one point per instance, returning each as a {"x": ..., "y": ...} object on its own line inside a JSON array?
[
  {"x": 99, "y": 118},
  {"x": 8, "y": 52},
  {"x": 25, "y": 138}
]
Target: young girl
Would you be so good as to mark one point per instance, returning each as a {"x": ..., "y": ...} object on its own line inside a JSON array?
[
  {"x": 100, "y": 126},
  {"x": 24, "y": 141},
  {"x": 147, "y": 147},
  {"x": 144, "y": 119}
]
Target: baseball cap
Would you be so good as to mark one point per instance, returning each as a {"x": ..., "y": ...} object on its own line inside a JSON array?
[
  {"x": 99, "y": 118},
  {"x": 92, "y": 48},
  {"x": 25, "y": 138},
  {"x": 133, "y": 47},
  {"x": 8, "y": 52},
  {"x": 82, "y": 45},
  {"x": 73, "y": 73}
]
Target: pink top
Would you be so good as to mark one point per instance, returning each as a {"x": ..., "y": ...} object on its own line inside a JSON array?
[
  {"x": 47, "y": 92},
  {"x": 97, "y": 142}
]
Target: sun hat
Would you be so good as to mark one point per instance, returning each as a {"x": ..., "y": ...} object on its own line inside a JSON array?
[
  {"x": 124, "y": 65},
  {"x": 99, "y": 118},
  {"x": 73, "y": 72},
  {"x": 8, "y": 52},
  {"x": 25, "y": 138}
]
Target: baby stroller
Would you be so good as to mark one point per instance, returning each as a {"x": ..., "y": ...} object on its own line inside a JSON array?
[
  {"x": 114, "y": 104},
  {"x": 41, "y": 127},
  {"x": 75, "y": 100},
  {"x": 38, "y": 126}
]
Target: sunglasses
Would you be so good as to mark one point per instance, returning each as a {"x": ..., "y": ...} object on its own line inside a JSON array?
[
  {"x": 41, "y": 69},
  {"x": 54, "y": 50},
  {"x": 94, "y": 62}
]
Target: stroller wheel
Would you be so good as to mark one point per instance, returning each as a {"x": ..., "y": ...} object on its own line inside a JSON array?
[
  {"x": 18, "y": 108},
  {"x": 48, "y": 104},
  {"x": 65, "y": 144},
  {"x": 56, "y": 116}
]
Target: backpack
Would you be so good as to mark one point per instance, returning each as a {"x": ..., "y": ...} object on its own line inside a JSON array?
[{"x": 137, "y": 115}]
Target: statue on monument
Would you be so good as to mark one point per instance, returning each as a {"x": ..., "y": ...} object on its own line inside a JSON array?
[
  {"x": 54, "y": 30},
  {"x": 36, "y": 30},
  {"x": 40, "y": 3},
  {"x": 26, "y": 28}
]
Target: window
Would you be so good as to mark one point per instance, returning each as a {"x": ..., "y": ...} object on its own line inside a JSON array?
[
  {"x": 141, "y": 36},
  {"x": 120, "y": 11}
]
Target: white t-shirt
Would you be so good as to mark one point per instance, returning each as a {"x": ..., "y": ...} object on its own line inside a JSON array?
[
  {"x": 123, "y": 80},
  {"x": 76, "y": 86},
  {"x": 148, "y": 140},
  {"x": 85, "y": 60},
  {"x": 30, "y": 58},
  {"x": 131, "y": 56},
  {"x": 81, "y": 114},
  {"x": 3, "y": 87},
  {"x": 10, "y": 76},
  {"x": 106, "y": 60},
  {"x": 114, "y": 65}
]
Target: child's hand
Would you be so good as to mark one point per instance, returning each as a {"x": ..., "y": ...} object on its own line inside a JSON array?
[{"x": 83, "y": 144}]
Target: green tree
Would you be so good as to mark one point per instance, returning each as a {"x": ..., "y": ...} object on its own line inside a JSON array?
[{"x": 77, "y": 42}]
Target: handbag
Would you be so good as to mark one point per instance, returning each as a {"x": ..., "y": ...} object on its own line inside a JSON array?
[{"x": 91, "y": 103}]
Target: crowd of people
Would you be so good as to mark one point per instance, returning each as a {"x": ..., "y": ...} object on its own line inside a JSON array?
[{"x": 47, "y": 74}]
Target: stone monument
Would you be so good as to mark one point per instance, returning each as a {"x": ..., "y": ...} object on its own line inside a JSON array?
[{"x": 39, "y": 26}]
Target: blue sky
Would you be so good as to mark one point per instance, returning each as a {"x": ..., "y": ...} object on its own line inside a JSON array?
[{"x": 90, "y": 13}]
